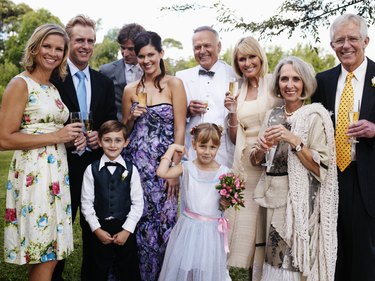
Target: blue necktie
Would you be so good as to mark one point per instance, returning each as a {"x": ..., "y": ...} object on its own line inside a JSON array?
[{"x": 81, "y": 91}]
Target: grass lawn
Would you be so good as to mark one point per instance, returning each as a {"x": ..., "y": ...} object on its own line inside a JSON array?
[{"x": 10, "y": 272}]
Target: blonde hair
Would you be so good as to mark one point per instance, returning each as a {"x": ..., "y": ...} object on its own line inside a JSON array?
[
  {"x": 34, "y": 45},
  {"x": 249, "y": 46},
  {"x": 205, "y": 132},
  {"x": 81, "y": 20}
]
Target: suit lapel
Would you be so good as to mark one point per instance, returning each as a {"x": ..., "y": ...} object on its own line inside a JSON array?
[
  {"x": 120, "y": 73},
  {"x": 70, "y": 91},
  {"x": 94, "y": 90},
  {"x": 368, "y": 98}
]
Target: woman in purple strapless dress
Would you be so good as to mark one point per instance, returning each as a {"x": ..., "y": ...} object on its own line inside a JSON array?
[{"x": 154, "y": 126}]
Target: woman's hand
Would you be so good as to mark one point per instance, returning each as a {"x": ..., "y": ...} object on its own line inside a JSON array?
[
  {"x": 92, "y": 140},
  {"x": 138, "y": 111},
  {"x": 230, "y": 101},
  {"x": 277, "y": 133},
  {"x": 172, "y": 186},
  {"x": 70, "y": 132},
  {"x": 80, "y": 142}
]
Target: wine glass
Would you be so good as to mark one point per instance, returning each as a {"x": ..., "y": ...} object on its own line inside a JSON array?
[
  {"x": 142, "y": 97},
  {"x": 88, "y": 124},
  {"x": 233, "y": 90},
  {"x": 353, "y": 115},
  {"x": 269, "y": 154},
  {"x": 205, "y": 106},
  {"x": 87, "y": 121},
  {"x": 75, "y": 117}
]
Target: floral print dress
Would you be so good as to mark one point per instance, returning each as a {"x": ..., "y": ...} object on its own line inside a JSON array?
[
  {"x": 38, "y": 224},
  {"x": 149, "y": 140}
]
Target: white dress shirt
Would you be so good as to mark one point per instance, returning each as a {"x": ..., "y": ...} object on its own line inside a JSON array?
[
  {"x": 73, "y": 71},
  {"x": 88, "y": 196}
]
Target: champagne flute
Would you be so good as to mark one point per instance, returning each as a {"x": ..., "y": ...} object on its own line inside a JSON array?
[
  {"x": 353, "y": 115},
  {"x": 75, "y": 117},
  {"x": 233, "y": 90},
  {"x": 142, "y": 97},
  {"x": 88, "y": 124},
  {"x": 269, "y": 154},
  {"x": 205, "y": 106},
  {"x": 87, "y": 121}
]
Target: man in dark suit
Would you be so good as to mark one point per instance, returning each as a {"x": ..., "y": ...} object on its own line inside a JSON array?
[
  {"x": 356, "y": 222},
  {"x": 125, "y": 70},
  {"x": 99, "y": 100}
]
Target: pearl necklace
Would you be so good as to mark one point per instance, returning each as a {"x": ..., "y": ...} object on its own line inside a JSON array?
[{"x": 288, "y": 114}]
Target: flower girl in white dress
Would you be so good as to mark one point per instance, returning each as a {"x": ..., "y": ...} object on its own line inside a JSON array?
[{"x": 197, "y": 245}]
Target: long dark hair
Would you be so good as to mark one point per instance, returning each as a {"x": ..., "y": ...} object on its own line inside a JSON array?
[{"x": 150, "y": 38}]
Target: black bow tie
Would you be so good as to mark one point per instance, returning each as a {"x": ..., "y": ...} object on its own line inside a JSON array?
[
  {"x": 112, "y": 164},
  {"x": 205, "y": 72}
]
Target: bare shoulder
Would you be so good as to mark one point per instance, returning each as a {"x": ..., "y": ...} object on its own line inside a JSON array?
[
  {"x": 173, "y": 81},
  {"x": 16, "y": 88}
]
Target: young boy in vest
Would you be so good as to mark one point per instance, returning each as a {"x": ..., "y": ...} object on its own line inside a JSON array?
[{"x": 112, "y": 204}]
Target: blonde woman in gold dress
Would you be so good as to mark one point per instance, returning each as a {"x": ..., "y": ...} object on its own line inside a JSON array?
[{"x": 247, "y": 235}]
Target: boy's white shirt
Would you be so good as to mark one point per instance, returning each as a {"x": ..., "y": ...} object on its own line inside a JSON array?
[{"x": 88, "y": 196}]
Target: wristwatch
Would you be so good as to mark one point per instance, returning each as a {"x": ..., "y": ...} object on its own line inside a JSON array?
[{"x": 298, "y": 147}]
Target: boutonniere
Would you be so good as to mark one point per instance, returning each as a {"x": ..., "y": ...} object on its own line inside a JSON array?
[
  {"x": 373, "y": 81},
  {"x": 124, "y": 175}
]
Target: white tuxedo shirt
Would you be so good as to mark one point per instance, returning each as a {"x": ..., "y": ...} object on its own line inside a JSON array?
[{"x": 211, "y": 89}]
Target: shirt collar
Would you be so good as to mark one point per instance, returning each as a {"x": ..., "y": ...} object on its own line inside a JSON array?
[
  {"x": 131, "y": 66},
  {"x": 359, "y": 72},
  {"x": 74, "y": 69},
  {"x": 104, "y": 159}
]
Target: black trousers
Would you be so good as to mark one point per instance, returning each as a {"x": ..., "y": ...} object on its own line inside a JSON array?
[
  {"x": 103, "y": 256},
  {"x": 356, "y": 231}
]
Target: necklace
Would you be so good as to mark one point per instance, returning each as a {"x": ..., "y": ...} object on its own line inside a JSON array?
[{"x": 291, "y": 113}]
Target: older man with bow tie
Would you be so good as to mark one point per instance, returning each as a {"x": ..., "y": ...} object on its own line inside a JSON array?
[{"x": 205, "y": 86}]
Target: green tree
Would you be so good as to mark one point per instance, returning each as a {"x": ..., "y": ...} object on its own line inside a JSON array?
[
  {"x": 308, "y": 16},
  {"x": 15, "y": 44},
  {"x": 106, "y": 51},
  {"x": 10, "y": 20}
]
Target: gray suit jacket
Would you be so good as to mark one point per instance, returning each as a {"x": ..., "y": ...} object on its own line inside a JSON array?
[{"x": 116, "y": 72}]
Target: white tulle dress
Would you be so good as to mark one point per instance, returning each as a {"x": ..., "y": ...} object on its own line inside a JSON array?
[{"x": 195, "y": 249}]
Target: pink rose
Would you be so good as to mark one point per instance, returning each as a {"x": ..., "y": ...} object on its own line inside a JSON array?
[
  {"x": 223, "y": 192},
  {"x": 29, "y": 180},
  {"x": 55, "y": 188},
  {"x": 10, "y": 215}
]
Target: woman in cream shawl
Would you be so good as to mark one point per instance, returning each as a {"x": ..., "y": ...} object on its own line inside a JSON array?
[{"x": 299, "y": 189}]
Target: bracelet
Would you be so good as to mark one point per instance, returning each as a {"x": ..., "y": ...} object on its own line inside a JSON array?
[
  {"x": 230, "y": 126},
  {"x": 166, "y": 158}
]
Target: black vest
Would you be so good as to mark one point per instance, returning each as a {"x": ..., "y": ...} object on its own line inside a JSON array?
[{"x": 112, "y": 194}]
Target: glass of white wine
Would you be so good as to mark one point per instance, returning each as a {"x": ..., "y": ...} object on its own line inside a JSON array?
[
  {"x": 205, "y": 106},
  {"x": 233, "y": 90},
  {"x": 88, "y": 124},
  {"x": 353, "y": 115},
  {"x": 87, "y": 121},
  {"x": 75, "y": 117}
]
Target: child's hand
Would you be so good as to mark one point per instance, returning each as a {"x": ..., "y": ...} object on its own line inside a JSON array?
[
  {"x": 179, "y": 148},
  {"x": 224, "y": 204},
  {"x": 121, "y": 237},
  {"x": 103, "y": 236}
]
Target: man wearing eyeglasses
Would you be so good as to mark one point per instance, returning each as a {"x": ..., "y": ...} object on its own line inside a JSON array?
[{"x": 349, "y": 84}]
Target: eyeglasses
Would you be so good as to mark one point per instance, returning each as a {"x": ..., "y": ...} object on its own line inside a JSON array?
[{"x": 351, "y": 40}]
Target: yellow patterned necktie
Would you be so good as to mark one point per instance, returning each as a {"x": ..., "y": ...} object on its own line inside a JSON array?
[{"x": 343, "y": 147}]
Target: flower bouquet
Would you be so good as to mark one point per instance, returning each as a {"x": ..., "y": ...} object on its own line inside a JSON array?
[{"x": 231, "y": 189}]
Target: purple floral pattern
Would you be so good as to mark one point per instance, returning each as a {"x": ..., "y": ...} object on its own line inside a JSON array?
[{"x": 150, "y": 138}]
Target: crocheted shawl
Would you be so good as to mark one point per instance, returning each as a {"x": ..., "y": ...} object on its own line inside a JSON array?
[{"x": 313, "y": 237}]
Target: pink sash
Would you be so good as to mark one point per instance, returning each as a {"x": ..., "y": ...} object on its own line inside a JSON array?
[{"x": 222, "y": 227}]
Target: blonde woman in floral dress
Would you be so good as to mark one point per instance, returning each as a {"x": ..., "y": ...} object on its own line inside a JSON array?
[
  {"x": 247, "y": 238},
  {"x": 38, "y": 225}
]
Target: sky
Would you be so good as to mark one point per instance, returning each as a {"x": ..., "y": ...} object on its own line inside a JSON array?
[{"x": 114, "y": 14}]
